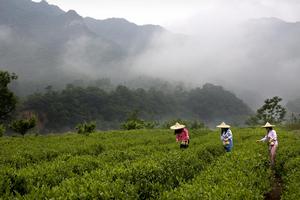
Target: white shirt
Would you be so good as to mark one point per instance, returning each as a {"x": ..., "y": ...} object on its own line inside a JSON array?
[
  {"x": 271, "y": 136},
  {"x": 226, "y": 135}
]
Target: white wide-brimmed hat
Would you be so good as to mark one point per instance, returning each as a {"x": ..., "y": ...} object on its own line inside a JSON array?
[
  {"x": 177, "y": 126},
  {"x": 268, "y": 125},
  {"x": 223, "y": 125}
]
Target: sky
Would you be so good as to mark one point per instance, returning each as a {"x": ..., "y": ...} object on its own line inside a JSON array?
[{"x": 176, "y": 14}]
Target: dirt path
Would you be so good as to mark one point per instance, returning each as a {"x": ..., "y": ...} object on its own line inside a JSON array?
[{"x": 275, "y": 193}]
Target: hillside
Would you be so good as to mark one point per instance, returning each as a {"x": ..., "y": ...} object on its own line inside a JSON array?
[
  {"x": 43, "y": 44},
  {"x": 62, "y": 110}
]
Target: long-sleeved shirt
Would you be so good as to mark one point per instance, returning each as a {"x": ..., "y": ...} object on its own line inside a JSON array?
[
  {"x": 183, "y": 136},
  {"x": 270, "y": 137},
  {"x": 226, "y": 135}
]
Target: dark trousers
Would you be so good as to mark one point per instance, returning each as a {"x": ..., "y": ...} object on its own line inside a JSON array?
[{"x": 184, "y": 145}]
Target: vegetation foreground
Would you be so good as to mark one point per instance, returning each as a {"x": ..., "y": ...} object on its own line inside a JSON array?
[{"x": 146, "y": 164}]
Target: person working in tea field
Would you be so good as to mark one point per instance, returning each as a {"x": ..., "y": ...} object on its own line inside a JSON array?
[
  {"x": 182, "y": 135},
  {"x": 226, "y": 136},
  {"x": 271, "y": 138}
]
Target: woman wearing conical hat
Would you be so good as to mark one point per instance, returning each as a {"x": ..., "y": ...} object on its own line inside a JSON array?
[
  {"x": 182, "y": 135},
  {"x": 271, "y": 138},
  {"x": 226, "y": 136}
]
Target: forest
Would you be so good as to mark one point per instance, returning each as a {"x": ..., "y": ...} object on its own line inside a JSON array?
[{"x": 61, "y": 110}]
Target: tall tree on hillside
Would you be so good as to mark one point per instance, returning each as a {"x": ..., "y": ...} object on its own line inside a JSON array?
[
  {"x": 271, "y": 112},
  {"x": 8, "y": 100}
]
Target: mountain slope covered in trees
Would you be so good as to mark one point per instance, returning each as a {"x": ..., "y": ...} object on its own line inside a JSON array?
[
  {"x": 62, "y": 110},
  {"x": 44, "y": 44}
]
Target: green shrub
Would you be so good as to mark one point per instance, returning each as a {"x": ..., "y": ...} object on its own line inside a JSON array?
[
  {"x": 196, "y": 124},
  {"x": 146, "y": 164},
  {"x": 293, "y": 126},
  {"x": 2, "y": 130},
  {"x": 287, "y": 165},
  {"x": 291, "y": 179},
  {"x": 24, "y": 125},
  {"x": 134, "y": 122},
  {"x": 137, "y": 124},
  {"x": 240, "y": 174},
  {"x": 86, "y": 128},
  {"x": 192, "y": 124}
]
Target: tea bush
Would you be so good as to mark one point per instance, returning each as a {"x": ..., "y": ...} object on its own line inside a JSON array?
[{"x": 145, "y": 164}]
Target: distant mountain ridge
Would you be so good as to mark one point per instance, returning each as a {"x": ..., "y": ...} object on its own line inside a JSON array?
[
  {"x": 44, "y": 40},
  {"x": 45, "y": 45},
  {"x": 123, "y": 32}
]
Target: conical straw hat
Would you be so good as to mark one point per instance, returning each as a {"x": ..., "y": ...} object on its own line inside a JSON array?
[
  {"x": 177, "y": 126},
  {"x": 223, "y": 125},
  {"x": 268, "y": 125}
]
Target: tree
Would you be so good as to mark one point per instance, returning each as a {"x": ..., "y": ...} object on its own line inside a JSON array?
[
  {"x": 24, "y": 125},
  {"x": 8, "y": 100},
  {"x": 252, "y": 120},
  {"x": 86, "y": 128},
  {"x": 214, "y": 102},
  {"x": 134, "y": 122},
  {"x": 2, "y": 130},
  {"x": 61, "y": 110},
  {"x": 191, "y": 124},
  {"x": 271, "y": 112}
]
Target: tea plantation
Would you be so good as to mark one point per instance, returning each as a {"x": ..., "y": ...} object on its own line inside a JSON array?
[{"x": 147, "y": 164}]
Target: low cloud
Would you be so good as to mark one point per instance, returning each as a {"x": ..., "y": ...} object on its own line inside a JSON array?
[
  {"x": 254, "y": 63},
  {"x": 5, "y": 35}
]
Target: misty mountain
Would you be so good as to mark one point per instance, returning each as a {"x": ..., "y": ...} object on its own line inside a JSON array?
[
  {"x": 277, "y": 39},
  {"x": 42, "y": 43},
  {"x": 257, "y": 59},
  {"x": 127, "y": 35},
  {"x": 270, "y": 52},
  {"x": 294, "y": 106}
]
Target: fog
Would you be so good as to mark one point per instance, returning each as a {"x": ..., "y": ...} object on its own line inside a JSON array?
[
  {"x": 239, "y": 45},
  {"x": 232, "y": 45},
  {"x": 254, "y": 64}
]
